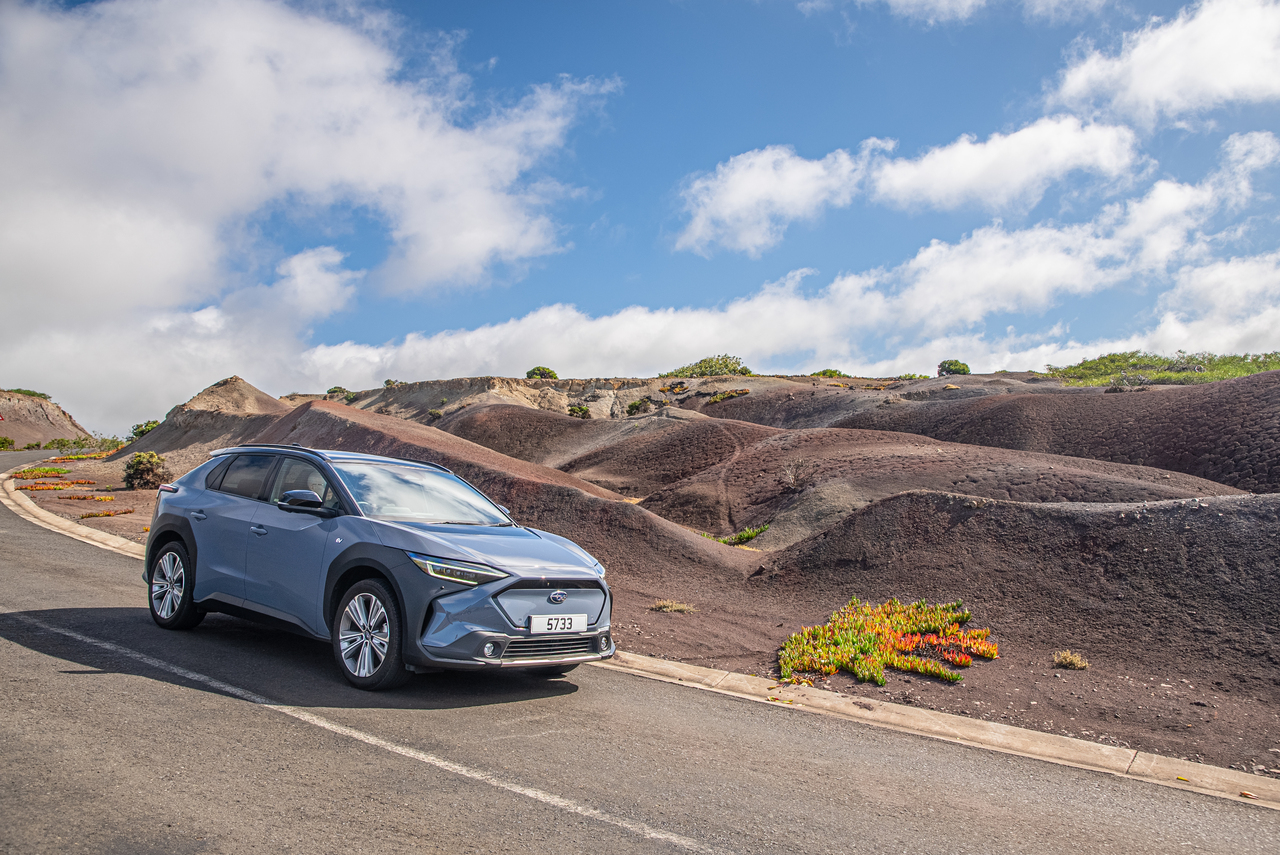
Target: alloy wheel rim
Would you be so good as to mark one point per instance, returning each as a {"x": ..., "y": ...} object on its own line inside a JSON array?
[
  {"x": 364, "y": 635},
  {"x": 168, "y": 582}
]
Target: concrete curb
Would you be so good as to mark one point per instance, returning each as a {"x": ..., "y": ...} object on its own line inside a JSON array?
[
  {"x": 1063, "y": 750},
  {"x": 22, "y": 505}
]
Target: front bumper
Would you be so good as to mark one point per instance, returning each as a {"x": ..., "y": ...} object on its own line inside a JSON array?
[{"x": 458, "y": 627}]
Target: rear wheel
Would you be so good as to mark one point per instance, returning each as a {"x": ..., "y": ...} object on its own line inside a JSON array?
[
  {"x": 171, "y": 587},
  {"x": 366, "y": 637}
]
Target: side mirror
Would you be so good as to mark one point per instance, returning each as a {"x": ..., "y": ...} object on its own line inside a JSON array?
[{"x": 304, "y": 502}]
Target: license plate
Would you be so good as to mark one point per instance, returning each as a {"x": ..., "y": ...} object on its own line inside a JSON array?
[{"x": 542, "y": 624}]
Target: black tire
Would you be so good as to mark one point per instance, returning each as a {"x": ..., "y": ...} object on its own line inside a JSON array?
[
  {"x": 171, "y": 582},
  {"x": 367, "y": 635},
  {"x": 553, "y": 670}
]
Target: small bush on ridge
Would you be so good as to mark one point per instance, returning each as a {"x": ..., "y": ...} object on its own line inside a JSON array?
[
  {"x": 540, "y": 372},
  {"x": 29, "y": 392},
  {"x": 830, "y": 372},
  {"x": 952, "y": 366},
  {"x": 145, "y": 471},
  {"x": 711, "y": 366}
]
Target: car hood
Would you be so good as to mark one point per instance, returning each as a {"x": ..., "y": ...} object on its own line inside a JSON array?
[{"x": 520, "y": 551}]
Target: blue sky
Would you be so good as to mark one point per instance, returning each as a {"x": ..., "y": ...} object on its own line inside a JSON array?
[{"x": 313, "y": 194}]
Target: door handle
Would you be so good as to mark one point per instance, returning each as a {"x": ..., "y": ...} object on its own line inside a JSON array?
[
  {"x": 198, "y": 515},
  {"x": 258, "y": 530}
]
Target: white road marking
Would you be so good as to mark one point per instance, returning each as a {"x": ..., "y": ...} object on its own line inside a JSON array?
[{"x": 638, "y": 828}]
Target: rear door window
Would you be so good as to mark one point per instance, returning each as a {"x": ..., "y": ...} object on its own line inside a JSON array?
[{"x": 247, "y": 474}]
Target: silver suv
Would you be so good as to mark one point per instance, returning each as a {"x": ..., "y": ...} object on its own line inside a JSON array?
[{"x": 402, "y": 566}]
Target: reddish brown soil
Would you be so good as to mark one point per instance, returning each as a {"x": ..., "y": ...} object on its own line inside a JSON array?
[
  {"x": 850, "y": 468},
  {"x": 1227, "y": 431},
  {"x": 26, "y": 419}
]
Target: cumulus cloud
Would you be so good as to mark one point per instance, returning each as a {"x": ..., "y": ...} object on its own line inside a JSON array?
[
  {"x": 139, "y": 136},
  {"x": 748, "y": 202},
  {"x": 1006, "y": 169},
  {"x": 930, "y": 306},
  {"x": 1215, "y": 53}
]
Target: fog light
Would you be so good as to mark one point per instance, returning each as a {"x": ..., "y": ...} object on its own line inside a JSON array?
[
  {"x": 602, "y": 643},
  {"x": 490, "y": 649}
]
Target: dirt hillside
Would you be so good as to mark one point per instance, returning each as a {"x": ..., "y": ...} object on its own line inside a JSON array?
[
  {"x": 803, "y": 481},
  {"x": 1227, "y": 431},
  {"x": 27, "y": 418},
  {"x": 227, "y": 413}
]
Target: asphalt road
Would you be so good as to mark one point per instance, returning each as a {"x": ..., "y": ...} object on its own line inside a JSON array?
[{"x": 116, "y": 736}]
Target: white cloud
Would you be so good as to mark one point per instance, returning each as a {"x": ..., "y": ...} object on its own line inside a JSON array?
[
  {"x": 949, "y": 11},
  {"x": 1007, "y": 169},
  {"x": 1215, "y": 53},
  {"x": 139, "y": 136},
  {"x": 750, "y": 199}
]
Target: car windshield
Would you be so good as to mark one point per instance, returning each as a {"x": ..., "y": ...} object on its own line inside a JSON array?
[{"x": 409, "y": 494}]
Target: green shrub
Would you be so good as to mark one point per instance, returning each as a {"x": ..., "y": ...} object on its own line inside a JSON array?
[
  {"x": 1136, "y": 367},
  {"x": 27, "y": 392},
  {"x": 952, "y": 366},
  {"x": 350, "y": 396},
  {"x": 338, "y": 390},
  {"x": 391, "y": 384},
  {"x": 712, "y": 366},
  {"x": 745, "y": 536},
  {"x": 540, "y": 372},
  {"x": 643, "y": 405},
  {"x": 435, "y": 414},
  {"x": 580, "y": 412},
  {"x": 6, "y": 443},
  {"x": 31, "y": 446},
  {"x": 830, "y": 372},
  {"x": 912, "y": 377},
  {"x": 145, "y": 471},
  {"x": 143, "y": 429},
  {"x": 59, "y": 444},
  {"x": 108, "y": 443}
]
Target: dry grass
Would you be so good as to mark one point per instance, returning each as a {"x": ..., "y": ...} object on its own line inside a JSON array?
[
  {"x": 672, "y": 606},
  {"x": 1067, "y": 659}
]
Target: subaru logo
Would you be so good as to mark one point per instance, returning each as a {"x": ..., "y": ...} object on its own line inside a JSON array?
[{"x": 558, "y": 597}]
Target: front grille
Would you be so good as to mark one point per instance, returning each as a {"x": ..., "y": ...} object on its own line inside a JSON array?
[
  {"x": 547, "y": 648},
  {"x": 552, "y": 584}
]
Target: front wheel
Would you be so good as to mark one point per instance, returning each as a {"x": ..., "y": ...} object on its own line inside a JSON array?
[
  {"x": 171, "y": 586},
  {"x": 366, "y": 637}
]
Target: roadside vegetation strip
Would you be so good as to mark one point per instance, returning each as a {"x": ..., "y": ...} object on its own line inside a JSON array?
[
  {"x": 28, "y": 510},
  {"x": 640, "y": 829},
  {"x": 864, "y": 640}
]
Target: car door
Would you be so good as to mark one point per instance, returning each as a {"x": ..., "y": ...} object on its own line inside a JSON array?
[
  {"x": 284, "y": 569},
  {"x": 221, "y": 524}
]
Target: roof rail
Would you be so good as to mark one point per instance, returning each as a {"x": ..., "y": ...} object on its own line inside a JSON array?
[{"x": 296, "y": 447}]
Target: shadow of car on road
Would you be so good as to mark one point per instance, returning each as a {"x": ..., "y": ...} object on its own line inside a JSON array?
[{"x": 278, "y": 665}]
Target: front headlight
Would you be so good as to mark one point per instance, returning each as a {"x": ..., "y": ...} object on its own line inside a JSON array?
[{"x": 456, "y": 571}]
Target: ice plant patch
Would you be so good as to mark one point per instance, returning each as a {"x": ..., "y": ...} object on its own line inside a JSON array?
[
  {"x": 106, "y": 513},
  {"x": 40, "y": 472},
  {"x": 864, "y": 640}
]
